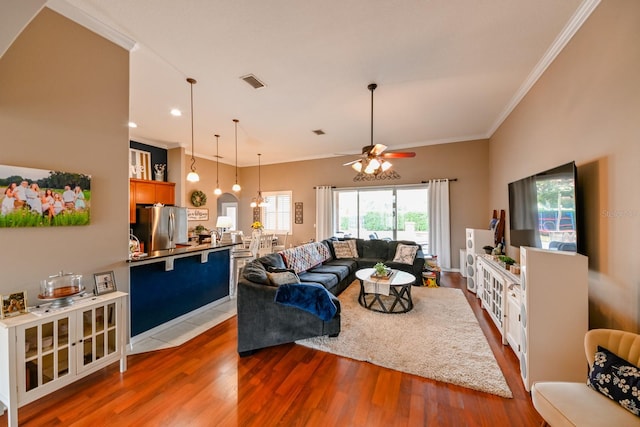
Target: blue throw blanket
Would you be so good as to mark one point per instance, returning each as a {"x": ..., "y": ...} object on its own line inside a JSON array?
[{"x": 309, "y": 297}]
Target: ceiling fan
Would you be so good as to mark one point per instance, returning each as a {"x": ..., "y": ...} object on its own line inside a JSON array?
[{"x": 372, "y": 161}]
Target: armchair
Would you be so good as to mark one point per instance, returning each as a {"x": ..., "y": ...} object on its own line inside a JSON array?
[{"x": 576, "y": 404}]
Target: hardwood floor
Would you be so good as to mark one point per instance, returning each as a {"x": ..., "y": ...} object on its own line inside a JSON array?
[{"x": 205, "y": 383}]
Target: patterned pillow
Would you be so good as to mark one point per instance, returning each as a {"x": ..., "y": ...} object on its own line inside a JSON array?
[
  {"x": 342, "y": 250},
  {"x": 405, "y": 254},
  {"x": 283, "y": 278},
  {"x": 617, "y": 379},
  {"x": 354, "y": 248}
]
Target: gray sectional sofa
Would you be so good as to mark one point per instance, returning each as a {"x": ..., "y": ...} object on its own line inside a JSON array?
[{"x": 262, "y": 322}]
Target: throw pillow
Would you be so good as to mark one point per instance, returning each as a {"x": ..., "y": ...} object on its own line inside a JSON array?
[
  {"x": 617, "y": 379},
  {"x": 272, "y": 260},
  {"x": 405, "y": 254},
  {"x": 255, "y": 272},
  {"x": 342, "y": 250},
  {"x": 354, "y": 248},
  {"x": 283, "y": 278}
]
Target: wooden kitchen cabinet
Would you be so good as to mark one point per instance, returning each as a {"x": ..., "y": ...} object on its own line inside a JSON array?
[{"x": 143, "y": 192}]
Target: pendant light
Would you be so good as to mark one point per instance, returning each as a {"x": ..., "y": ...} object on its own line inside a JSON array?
[
  {"x": 217, "y": 191},
  {"x": 193, "y": 175},
  {"x": 258, "y": 201},
  {"x": 236, "y": 187}
]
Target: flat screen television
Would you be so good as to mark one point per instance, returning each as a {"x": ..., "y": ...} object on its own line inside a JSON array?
[{"x": 543, "y": 210}]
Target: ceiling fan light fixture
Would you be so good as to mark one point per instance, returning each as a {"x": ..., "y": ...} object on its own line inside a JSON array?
[
  {"x": 193, "y": 175},
  {"x": 373, "y": 166}
]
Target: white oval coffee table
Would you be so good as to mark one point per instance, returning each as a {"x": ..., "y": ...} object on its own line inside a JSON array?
[{"x": 399, "y": 298}]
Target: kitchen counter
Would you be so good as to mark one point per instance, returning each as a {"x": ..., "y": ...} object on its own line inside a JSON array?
[
  {"x": 168, "y": 284},
  {"x": 182, "y": 250}
]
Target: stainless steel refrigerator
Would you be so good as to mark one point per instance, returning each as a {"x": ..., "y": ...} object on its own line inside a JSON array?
[{"x": 161, "y": 227}]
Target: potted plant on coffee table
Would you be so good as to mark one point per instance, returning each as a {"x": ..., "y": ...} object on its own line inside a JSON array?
[{"x": 381, "y": 270}]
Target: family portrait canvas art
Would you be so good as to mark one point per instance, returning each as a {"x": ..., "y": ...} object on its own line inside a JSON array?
[{"x": 43, "y": 198}]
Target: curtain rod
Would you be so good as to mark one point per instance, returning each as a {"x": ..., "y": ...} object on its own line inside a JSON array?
[
  {"x": 315, "y": 188},
  {"x": 441, "y": 179}
]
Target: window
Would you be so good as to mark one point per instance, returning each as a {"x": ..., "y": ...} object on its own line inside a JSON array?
[
  {"x": 398, "y": 213},
  {"x": 276, "y": 215}
]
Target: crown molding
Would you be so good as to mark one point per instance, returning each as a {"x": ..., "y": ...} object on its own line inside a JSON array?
[
  {"x": 82, "y": 18},
  {"x": 577, "y": 20}
]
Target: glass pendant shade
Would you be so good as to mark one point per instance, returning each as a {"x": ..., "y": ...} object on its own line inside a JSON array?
[
  {"x": 193, "y": 176},
  {"x": 373, "y": 165}
]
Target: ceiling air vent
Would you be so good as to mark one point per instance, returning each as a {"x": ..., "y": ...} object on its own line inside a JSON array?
[
  {"x": 253, "y": 81},
  {"x": 318, "y": 132}
]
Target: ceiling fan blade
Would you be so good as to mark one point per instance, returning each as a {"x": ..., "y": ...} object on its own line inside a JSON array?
[
  {"x": 398, "y": 155},
  {"x": 377, "y": 149},
  {"x": 350, "y": 163}
]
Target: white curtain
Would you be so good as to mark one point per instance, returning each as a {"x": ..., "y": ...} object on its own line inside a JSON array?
[
  {"x": 439, "y": 225},
  {"x": 324, "y": 212}
]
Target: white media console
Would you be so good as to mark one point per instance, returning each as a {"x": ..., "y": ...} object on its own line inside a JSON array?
[{"x": 541, "y": 313}]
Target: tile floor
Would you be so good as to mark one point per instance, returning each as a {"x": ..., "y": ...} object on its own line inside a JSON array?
[{"x": 189, "y": 328}]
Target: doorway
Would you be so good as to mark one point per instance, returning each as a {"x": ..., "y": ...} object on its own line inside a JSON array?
[{"x": 230, "y": 209}]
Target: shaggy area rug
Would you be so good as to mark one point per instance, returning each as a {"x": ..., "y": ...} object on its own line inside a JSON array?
[{"x": 439, "y": 339}]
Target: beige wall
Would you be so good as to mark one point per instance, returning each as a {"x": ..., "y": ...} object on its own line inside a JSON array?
[
  {"x": 586, "y": 107},
  {"x": 466, "y": 161},
  {"x": 207, "y": 171},
  {"x": 64, "y": 105}
]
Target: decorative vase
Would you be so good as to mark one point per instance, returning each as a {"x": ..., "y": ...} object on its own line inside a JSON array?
[{"x": 160, "y": 176}]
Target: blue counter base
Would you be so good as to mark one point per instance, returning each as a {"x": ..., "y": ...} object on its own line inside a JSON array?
[{"x": 158, "y": 296}]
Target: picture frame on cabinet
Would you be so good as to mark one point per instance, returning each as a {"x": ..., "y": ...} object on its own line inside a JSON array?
[
  {"x": 139, "y": 164},
  {"x": 13, "y": 304},
  {"x": 105, "y": 283}
]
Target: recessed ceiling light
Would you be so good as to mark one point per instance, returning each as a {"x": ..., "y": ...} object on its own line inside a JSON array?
[
  {"x": 133, "y": 125},
  {"x": 176, "y": 113}
]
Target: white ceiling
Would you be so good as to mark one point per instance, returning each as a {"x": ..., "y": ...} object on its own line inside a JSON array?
[{"x": 447, "y": 70}]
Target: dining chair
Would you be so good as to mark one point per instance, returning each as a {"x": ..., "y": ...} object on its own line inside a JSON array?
[{"x": 283, "y": 246}]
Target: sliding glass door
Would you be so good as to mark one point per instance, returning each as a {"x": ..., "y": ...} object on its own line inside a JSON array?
[{"x": 398, "y": 213}]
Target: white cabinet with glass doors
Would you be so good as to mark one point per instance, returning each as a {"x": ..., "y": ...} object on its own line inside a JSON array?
[{"x": 42, "y": 353}]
